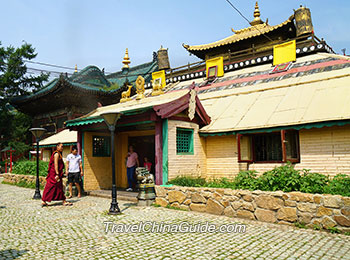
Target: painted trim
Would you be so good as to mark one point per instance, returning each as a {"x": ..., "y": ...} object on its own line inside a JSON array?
[
  {"x": 54, "y": 145},
  {"x": 165, "y": 151},
  {"x": 279, "y": 128}
]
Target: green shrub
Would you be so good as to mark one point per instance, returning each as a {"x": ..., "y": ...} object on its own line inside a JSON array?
[
  {"x": 221, "y": 183},
  {"x": 313, "y": 182},
  {"x": 188, "y": 181},
  {"x": 246, "y": 180},
  {"x": 284, "y": 178},
  {"x": 340, "y": 185},
  {"x": 26, "y": 167}
]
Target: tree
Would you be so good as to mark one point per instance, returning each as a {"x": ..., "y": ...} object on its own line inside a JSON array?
[{"x": 14, "y": 81}]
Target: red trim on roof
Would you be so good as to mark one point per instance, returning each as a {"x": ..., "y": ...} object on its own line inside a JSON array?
[
  {"x": 267, "y": 76},
  {"x": 177, "y": 106}
]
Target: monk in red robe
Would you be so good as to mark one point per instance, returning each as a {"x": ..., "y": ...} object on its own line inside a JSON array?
[{"x": 54, "y": 187}]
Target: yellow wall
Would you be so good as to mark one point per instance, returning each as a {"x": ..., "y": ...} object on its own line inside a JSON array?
[
  {"x": 325, "y": 150},
  {"x": 194, "y": 165},
  {"x": 46, "y": 154},
  {"x": 222, "y": 157},
  {"x": 98, "y": 170}
]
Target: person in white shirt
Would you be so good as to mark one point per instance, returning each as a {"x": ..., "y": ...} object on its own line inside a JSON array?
[{"x": 74, "y": 171}]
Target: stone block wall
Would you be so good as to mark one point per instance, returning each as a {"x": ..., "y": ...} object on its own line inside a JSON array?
[
  {"x": 15, "y": 178},
  {"x": 326, "y": 211}
]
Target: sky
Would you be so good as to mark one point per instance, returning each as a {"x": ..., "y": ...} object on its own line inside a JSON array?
[{"x": 90, "y": 32}]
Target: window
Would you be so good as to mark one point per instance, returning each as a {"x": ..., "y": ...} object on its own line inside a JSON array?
[
  {"x": 184, "y": 141},
  {"x": 268, "y": 147},
  {"x": 101, "y": 146},
  {"x": 280, "y": 146},
  {"x": 212, "y": 72}
]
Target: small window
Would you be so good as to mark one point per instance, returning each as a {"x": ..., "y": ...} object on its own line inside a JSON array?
[
  {"x": 212, "y": 72},
  {"x": 280, "y": 146},
  {"x": 184, "y": 141},
  {"x": 101, "y": 146}
]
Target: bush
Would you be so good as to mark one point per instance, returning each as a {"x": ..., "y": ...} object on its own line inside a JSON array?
[
  {"x": 26, "y": 167},
  {"x": 313, "y": 182},
  {"x": 340, "y": 185},
  {"x": 246, "y": 180},
  {"x": 188, "y": 181},
  {"x": 221, "y": 183},
  {"x": 284, "y": 178}
]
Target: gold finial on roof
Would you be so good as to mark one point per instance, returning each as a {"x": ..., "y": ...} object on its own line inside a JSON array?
[
  {"x": 76, "y": 68},
  {"x": 126, "y": 60},
  {"x": 257, "y": 19}
]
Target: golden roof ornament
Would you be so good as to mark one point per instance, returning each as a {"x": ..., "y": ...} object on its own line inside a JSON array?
[
  {"x": 257, "y": 20},
  {"x": 126, "y": 94},
  {"x": 126, "y": 60},
  {"x": 157, "y": 87},
  {"x": 140, "y": 87},
  {"x": 76, "y": 68}
]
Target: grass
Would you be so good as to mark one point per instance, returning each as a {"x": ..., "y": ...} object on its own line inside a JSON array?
[
  {"x": 23, "y": 184},
  {"x": 300, "y": 224},
  {"x": 333, "y": 230},
  {"x": 175, "y": 208}
]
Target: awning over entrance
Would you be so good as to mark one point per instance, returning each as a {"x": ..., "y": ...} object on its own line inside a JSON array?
[{"x": 164, "y": 106}]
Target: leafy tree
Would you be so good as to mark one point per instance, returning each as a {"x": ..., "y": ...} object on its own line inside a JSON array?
[{"x": 15, "y": 81}]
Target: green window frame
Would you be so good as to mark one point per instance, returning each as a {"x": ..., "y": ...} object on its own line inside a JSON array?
[
  {"x": 184, "y": 141},
  {"x": 101, "y": 146}
]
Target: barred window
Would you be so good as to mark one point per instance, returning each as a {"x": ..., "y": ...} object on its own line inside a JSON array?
[
  {"x": 272, "y": 147},
  {"x": 101, "y": 146},
  {"x": 184, "y": 141}
]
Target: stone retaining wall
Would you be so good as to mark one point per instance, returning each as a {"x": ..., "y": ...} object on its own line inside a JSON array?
[
  {"x": 15, "y": 178},
  {"x": 325, "y": 211}
]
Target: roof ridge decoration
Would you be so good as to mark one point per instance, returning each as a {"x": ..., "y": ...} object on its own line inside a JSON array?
[
  {"x": 126, "y": 60},
  {"x": 257, "y": 20},
  {"x": 257, "y": 28}
]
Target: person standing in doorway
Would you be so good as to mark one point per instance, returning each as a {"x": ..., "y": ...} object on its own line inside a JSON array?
[
  {"x": 74, "y": 171},
  {"x": 132, "y": 161}
]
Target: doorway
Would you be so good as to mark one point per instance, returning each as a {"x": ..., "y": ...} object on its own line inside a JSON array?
[{"x": 144, "y": 147}]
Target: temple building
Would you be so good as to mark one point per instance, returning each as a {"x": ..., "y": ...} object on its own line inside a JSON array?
[
  {"x": 69, "y": 97},
  {"x": 262, "y": 97}
]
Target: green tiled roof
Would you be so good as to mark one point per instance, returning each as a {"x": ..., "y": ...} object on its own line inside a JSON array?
[
  {"x": 92, "y": 79},
  {"x": 145, "y": 70}
]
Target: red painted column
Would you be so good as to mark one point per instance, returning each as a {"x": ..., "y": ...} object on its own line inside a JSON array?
[
  {"x": 159, "y": 152},
  {"x": 10, "y": 159},
  {"x": 79, "y": 143}
]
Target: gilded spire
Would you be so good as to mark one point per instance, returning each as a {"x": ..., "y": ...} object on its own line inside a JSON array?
[
  {"x": 126, "y": 60},
  {"x": 76, "y": 68},
  {"x": 257, "y": 19}
]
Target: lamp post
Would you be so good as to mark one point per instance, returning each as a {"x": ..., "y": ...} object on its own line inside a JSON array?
[
  {"x": 38, "y": 133},
  {"x": 111, "y": 119}
]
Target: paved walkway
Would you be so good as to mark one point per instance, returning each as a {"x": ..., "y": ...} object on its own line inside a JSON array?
[{"x": 28, "y": 231}]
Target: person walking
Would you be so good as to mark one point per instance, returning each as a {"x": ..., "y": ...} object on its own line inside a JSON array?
[
  {"x": 132, "y": 161},
  {"x": 74, "y": 171},
  {"x": 54, "y": 188}
]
